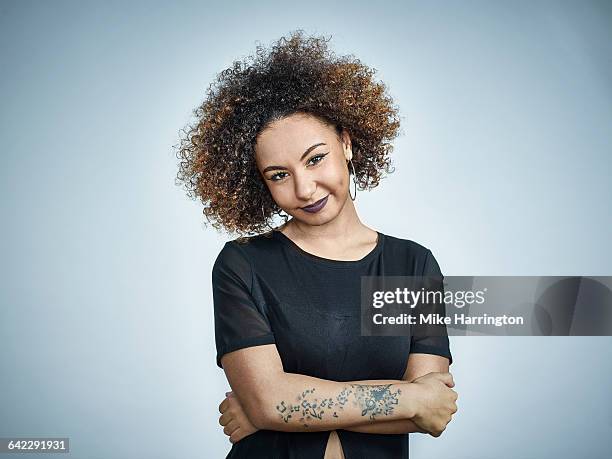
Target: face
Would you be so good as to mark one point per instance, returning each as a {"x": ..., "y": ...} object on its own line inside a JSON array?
[{"x": 302, "y": 161}]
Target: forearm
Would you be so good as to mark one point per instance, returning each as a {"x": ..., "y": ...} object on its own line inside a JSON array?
[
  {"x": 387, "y": 427},
  {"x": 300, "y": 403},
  {"x": 399, "y": 426}
]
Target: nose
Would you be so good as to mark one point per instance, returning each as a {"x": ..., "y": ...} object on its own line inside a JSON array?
[{"x": 305, "y": 187}]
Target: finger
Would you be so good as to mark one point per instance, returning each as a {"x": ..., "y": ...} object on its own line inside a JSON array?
[
  {"x": 446, "y": 378},
  {"x": 225, "y": 418},
  {"x": 231, "y": 427},
  {"x": 224, "y": 405},
  {"x": 236, "y": 435}
]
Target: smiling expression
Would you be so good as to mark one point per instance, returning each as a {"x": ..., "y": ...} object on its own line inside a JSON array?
[{"x": 302, "y": 160}]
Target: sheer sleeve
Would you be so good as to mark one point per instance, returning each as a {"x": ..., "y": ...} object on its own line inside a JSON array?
[
  {"x": 239, "y": 321},
  {"x": 436, "y": 343}
]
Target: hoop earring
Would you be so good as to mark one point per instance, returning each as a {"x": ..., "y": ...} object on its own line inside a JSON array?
[{"x": 354, "y": 180}]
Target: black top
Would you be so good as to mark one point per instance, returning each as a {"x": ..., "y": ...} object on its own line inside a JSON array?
[{"x": 269, "y": 290}]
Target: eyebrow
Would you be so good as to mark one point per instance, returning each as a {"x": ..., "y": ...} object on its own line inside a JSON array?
[{"x": 273, "y": 168}]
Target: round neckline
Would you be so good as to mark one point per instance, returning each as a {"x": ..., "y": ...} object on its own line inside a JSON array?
[{"x": 328, "y": 261}]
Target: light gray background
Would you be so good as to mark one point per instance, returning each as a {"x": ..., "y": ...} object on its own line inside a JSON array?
[{"x": 503, "y": 167}]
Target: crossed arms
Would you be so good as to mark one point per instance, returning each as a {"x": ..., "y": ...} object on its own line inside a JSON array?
[{"x": 275, "y": 400}]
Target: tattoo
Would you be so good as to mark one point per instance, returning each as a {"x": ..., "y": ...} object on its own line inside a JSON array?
[{"x": 372, "y": 400}]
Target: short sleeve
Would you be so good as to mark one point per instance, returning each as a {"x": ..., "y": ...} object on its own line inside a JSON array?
[
  {"x": 436, "y": 343},
  {"x": 239, "y": 322}
]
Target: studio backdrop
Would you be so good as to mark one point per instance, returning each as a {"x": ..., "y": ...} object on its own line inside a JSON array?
[{"x": 502, "y": 168}]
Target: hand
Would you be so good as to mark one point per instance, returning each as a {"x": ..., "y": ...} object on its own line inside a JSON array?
[
  {"x": 435, "y": 402},
  {"x": 237, "y": 424}
]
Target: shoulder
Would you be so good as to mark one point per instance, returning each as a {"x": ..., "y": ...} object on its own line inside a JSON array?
[
  {"x": 394, "y": 243},
  {"x": 239, "y": 254},
  {"x": 418, "y": 256}
]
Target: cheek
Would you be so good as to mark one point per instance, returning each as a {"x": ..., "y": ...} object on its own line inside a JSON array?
[
  {"x": 280, "y": 195},
  {"x": 337, "y": 176}
]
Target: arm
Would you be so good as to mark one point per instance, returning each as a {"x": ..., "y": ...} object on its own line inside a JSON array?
[
  {"x": 275, "y": 400},
  {"x": 418, "y": 365}
]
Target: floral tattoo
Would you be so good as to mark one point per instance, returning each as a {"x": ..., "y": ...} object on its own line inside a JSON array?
[{"x": 372, "y": 400}]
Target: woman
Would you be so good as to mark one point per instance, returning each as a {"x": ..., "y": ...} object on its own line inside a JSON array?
[{"x": 288, "y": 131}]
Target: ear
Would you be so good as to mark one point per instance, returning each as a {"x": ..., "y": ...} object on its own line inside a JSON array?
[{"x": 346, "y": 145}]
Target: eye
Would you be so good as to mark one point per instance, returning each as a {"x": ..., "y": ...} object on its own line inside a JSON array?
[
  {"x": 276, "y": 175},
  {"x": 316, "y": 159},
  {"x": 320, "y": 156}
]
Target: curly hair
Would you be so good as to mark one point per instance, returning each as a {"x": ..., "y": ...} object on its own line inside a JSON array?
[{"x": 298, "y": 74}]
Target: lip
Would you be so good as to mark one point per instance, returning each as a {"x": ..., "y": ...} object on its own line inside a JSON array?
[{"x": 317, "y": 206}]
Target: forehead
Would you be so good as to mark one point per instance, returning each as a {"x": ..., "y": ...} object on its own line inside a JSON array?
[{"x": 291, "y": 136}]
